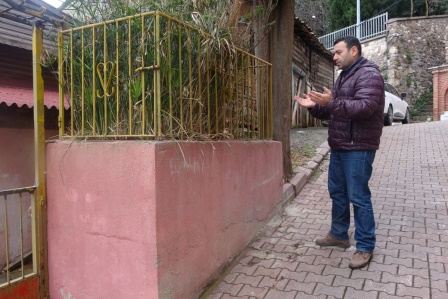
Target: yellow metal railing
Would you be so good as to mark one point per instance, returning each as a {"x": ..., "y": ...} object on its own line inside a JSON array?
[
  {"x": 151, "y": 75},
  {"x": 19, "y": 248}
]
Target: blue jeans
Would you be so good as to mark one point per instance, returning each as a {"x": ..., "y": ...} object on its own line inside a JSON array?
[{"x": 348, "y": 182}]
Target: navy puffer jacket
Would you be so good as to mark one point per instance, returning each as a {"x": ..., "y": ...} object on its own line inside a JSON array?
[{"x": 355, "y": 113}]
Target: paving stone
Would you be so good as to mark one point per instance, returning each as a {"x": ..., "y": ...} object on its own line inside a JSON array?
[
  {"x": 405, "y": 247},
  {"x": 387, "y": 252},
  {"x": 227, "y": 296},
  {"x": 253, "y": 292},
  {"x": 229, "y": 288},
  {"x": 308, "y": 259},
  {"x": 401, "y": 279},
  {"x": 388, "y": 260},
  {"x": 262, "y": 271},
  {"x": 302, "y": 295},
  {"x": 388, "y": 288},
  {"x": 431, "y": 250},
  {"x": 437, "y": 294},
  {"x": 317, "y": 269},
  {"x": 405, "y": 240},
  {"x": 255, "y": 253},
  {"x": 392, "y": 269},
  {"x": 322, "y": 289},
  {"x": 296, "y": 248},
  {"x": 402, "y": 270},
  {"x": 362, "y": 273},
  {"x": 325, "y": 279},
  {"x": 283, "y": 256},
  {"x": 355, "y": 283},
  {"x": 250, "y": 280},
  {"x": 421, "y": 282},
  {"x": 440, "y": 285},
  {"x": 230, "y": 277},
  {"x": 292, "y": 266},
  {"x": 419, "y": 264},
  {"x": 297, "y": 276},
  {"x": 318, "y": 251},
  {"x": 438, "y": 275},
  {"x": 248, "y": 270},
  {"x": 412, "y": 255},
  {"x": 387, "y": 296},
  {"x": 439, "y": 267},
  {"x": 215, "y": 296},
  {"x": 355, "y": 294},
  {"x": 275, "y": 294},
  {"x": 267, "y": 282},
  {"x": 305, "y": 287},
  {"x": 403, "y": 290},
  {"x": 260, "y": 262}
]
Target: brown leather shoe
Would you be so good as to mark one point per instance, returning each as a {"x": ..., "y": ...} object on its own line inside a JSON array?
[
  {"x": 329, "y": 240},
  {"x": 360, "y": 259}
]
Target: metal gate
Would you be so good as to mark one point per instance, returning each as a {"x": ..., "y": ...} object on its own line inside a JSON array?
[
  {"x": 26, "y": 275},
  {"x": 24, "y": 242}
]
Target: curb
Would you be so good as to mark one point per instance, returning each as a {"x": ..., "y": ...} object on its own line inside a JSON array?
[{"x": 292, "y": 188}]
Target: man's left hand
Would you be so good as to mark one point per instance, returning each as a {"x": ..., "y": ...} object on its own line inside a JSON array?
[{"x": 321, "y": 98}]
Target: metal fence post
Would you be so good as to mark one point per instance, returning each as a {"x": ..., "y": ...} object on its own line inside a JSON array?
[{"x": 39, "y": 205}]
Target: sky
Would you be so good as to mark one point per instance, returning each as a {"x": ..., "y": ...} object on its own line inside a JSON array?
[{"x": 54, "y": 3}]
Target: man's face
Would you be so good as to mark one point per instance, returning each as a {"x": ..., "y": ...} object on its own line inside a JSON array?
[{"x": 344, "y": 57}]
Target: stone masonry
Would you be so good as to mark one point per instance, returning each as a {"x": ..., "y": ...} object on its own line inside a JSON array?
[{"x": 410, "y": 47}]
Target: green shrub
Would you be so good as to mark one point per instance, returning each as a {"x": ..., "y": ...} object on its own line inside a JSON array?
[
  {"x": 409, "y": 56},
  {"x": 422, "y": 100}
]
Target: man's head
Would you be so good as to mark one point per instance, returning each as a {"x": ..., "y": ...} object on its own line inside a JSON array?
[{"x": 346, "y": 50}]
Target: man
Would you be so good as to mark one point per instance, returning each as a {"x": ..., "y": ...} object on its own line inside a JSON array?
[{"x": 354, "y": 109}]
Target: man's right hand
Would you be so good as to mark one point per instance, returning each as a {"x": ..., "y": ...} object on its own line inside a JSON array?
[{"x": 305, "y": 101}]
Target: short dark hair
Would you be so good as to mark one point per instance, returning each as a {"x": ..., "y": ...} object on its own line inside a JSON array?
[{"x": 350, "y": 41}]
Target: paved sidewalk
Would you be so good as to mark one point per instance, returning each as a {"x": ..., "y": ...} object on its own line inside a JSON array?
[{"x": 410, "y": 195}]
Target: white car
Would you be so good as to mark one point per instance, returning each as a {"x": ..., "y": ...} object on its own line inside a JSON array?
[{"x": 395, "y": 107}]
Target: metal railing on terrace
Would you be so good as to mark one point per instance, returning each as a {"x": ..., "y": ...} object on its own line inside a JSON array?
[
  {"x": 152, "y": 76},
  {"x": 368, "y": 29}
]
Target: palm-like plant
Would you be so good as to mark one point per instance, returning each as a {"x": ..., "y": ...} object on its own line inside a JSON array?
[{"x": 121, "y": 74}]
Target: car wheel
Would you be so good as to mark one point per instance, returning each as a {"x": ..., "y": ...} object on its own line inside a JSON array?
[
  {"x": 407, "y": 118},
  {"x": 388, "y": 120}
]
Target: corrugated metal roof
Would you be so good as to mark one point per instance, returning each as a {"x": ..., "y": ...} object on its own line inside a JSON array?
[
  {"x": 24, "y": 97},
  {"x": 16, "y": 78},
  {"x": 306, "y": 33},
  {"x": 16, "y": 25},
  {"x": 17, "y": 18},
  {"x": 20, "y": 35}
]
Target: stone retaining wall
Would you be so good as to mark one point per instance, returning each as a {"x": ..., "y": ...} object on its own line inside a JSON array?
[{"x": 410, "y": 48}]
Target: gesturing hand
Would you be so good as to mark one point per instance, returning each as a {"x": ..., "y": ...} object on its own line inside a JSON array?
[
  {"x": 321, "y": 98},
  {"x": 305, "y": 101}
]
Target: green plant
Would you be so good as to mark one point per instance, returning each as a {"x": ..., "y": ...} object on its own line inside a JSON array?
[
  {"x": 409, "y": 56},
  {"x": 422, "y": 100},
  {"x": 408, "y": 80},
  {"x": 206, "y": 85},
  {"x": 309, "y": 151}
]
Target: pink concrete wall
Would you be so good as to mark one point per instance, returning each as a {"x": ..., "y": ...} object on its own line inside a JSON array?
[
  {"x": 101, "y": 220},
  {"x": 211, "y": 200},
  {"x": 186, "y": 208},
  {"x": 16, "y": 171}
]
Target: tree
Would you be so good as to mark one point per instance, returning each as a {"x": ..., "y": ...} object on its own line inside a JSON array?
[
  {"x": 277, "y": 48},
  {"x": 342, "y": 13},
  {"x": 314, "y": 13}
]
